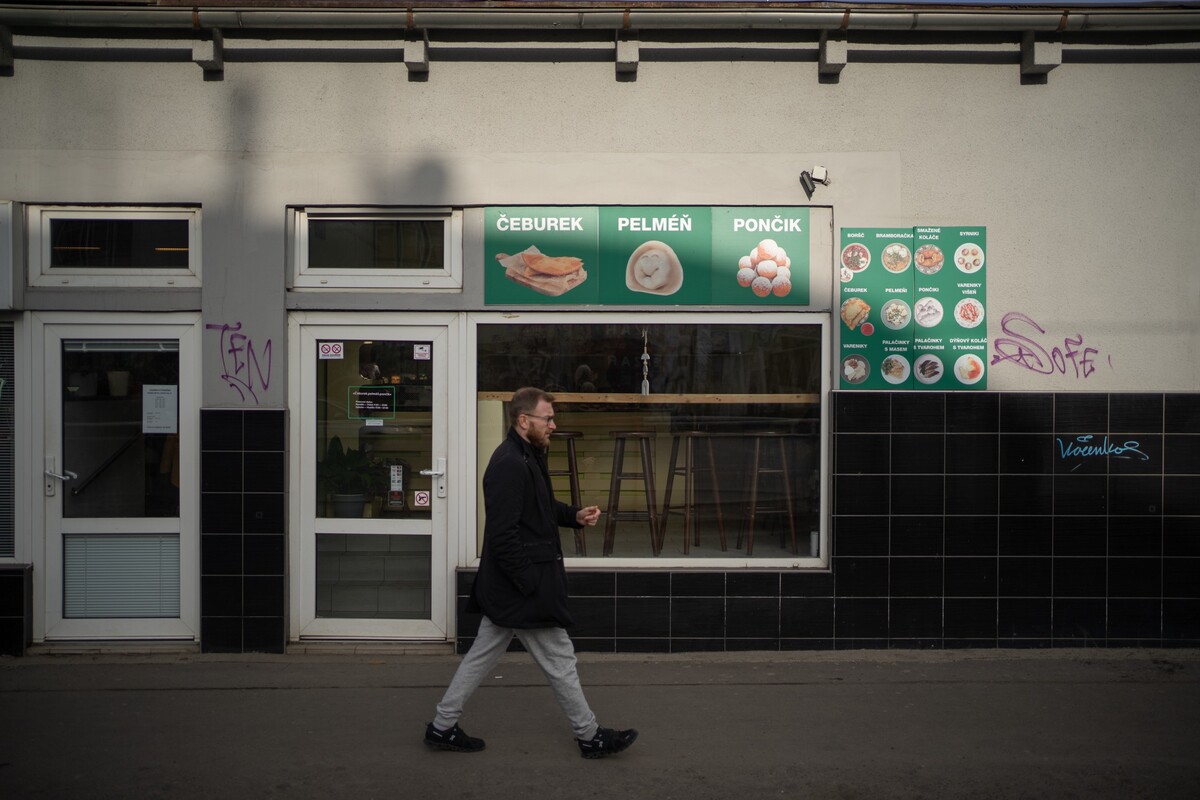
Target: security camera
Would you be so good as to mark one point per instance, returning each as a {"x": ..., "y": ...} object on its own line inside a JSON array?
[{"x": 820, "y": 175}]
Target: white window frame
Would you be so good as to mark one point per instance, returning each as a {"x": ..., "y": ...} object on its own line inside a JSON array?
[
  {"x": 6, "y": 254},
  {"x": 473, "y": 514},
  {"x": 41, "y": 274},
  {"x": 448, "y": 279}
]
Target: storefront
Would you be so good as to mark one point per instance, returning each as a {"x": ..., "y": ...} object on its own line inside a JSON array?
[
  {"x": 696, "y": 421},
  {"x": 847, "y": 322}
]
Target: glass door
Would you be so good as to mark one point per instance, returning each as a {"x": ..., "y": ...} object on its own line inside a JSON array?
[
  {"x": 118, "y": 484},
  {"x": 372, "y": 482}
]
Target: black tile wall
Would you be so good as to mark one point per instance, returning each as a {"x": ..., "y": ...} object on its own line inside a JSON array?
[
  {"x": 16, "y": 608},
  {"x": 971, "y": 519},
  {"x": 243, "y": 530}
]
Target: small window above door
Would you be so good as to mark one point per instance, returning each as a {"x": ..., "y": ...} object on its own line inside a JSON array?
[
  {"x": 135, "y": 246},
  {"x": 374, "y": 248}
]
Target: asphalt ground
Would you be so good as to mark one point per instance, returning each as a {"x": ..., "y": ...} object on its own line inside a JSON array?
[{"x": 1074, "y": 723}]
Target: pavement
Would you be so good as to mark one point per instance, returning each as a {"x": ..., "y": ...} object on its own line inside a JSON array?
[{"x": 1075, "y": 723}]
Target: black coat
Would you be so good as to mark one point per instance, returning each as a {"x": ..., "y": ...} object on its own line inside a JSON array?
[{"x": 521, "y": 581}]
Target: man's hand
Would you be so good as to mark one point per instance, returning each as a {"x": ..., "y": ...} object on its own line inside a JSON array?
[{"x": 588, "y": 516}]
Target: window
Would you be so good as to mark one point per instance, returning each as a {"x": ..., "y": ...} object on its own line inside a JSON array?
[
  {"x": 729, "y": 415},
  {"x": 8, "y": 440},
  {"x": 339, "y": 248},
  {"x": 114, "y": 246},
  {"x": 120, "y": 427}
]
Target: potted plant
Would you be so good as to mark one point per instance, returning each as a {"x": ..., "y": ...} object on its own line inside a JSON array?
[{"x": 348, "y": 477}]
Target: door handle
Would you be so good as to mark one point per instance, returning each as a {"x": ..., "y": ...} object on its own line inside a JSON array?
[
  {"x": 438, "y": 473},
  {"x": 53, "y": 476}
]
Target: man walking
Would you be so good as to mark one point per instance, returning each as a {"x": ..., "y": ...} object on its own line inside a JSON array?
[{"x": 521, "y": 586}]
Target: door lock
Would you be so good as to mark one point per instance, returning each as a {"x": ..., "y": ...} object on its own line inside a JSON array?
[{"x": 438, "y": 473}]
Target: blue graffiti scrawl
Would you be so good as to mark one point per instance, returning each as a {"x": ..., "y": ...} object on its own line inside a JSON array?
[{"x": 1088, "y": 446}]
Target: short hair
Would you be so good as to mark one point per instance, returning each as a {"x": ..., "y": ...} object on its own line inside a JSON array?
[{"x": 525, "y": 401}]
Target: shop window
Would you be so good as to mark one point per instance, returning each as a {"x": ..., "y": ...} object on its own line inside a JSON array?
[
  {"x": 744, "y": 396},
  {"x": 8, "y": 541},
  {"x": 120, "y": 427},
  {"x": 114, "y": 246},
  {"x": 374, "y": 424},
  {"x": 338, "y": 248}
]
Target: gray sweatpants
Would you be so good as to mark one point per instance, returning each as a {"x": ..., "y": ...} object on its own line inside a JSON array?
[{"x": 551, "y": 649}]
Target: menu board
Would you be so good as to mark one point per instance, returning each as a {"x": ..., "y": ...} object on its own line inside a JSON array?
[
  {"x": 646, "y": 255},
  {"x": 911, "y": 308},
  {"x": 876, "y": 308}
]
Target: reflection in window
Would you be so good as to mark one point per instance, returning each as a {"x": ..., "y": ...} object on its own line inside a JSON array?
[
  {"x": 119, "y": 243},
  {"x": 374, "y": 427},
  {"x": 374, "y": 244},
  {"x": 124, "y": 452},
  {"x": 743, "y": 398}
]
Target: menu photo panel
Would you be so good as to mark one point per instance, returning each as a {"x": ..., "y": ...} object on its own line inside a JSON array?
[
  {"x": 755, "y": 256},
  {"x": 912, "y": 306},
  {"x": 950, "y": 339},
  {"x": 655, "y": 255},
  {"x": 541, "y": 255},
  {"x": 876, "y": 308}
]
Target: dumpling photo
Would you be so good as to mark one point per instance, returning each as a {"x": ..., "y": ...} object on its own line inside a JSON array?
[{"x": 654, "y": 269}]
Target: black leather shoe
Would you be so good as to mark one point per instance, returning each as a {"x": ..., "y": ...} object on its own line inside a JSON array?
[
  {"x": 606, "y": 742},
  {"x": 455, "y": 739}
]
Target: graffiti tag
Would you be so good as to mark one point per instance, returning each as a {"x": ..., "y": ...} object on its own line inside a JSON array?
[
  {"x": 1023, "y": 350},
  {"x": 238, "y": 357},
  {"x": 1088, "y": 447}
]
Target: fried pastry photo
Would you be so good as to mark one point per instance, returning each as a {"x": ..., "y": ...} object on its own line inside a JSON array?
[
  {"x": 854, "y": 312},
  {"x": 548, "y": 275}
]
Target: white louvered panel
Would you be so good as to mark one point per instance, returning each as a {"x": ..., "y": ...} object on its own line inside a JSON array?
[{"x": 107, "y": 576}]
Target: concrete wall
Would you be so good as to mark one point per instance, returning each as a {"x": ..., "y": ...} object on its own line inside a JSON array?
[{"x": 1087, "y": 184}]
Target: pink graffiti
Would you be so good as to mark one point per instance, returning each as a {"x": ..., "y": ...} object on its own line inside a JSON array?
[
  {"x": 238, "y": 356},
  {"x": 1025, "y": 352}
]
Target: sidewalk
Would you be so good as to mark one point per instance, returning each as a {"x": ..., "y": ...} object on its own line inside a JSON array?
[{"x": 846, "y": 724}]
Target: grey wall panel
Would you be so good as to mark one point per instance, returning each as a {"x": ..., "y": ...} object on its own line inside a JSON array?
[{"x": 1086, "y": 183}]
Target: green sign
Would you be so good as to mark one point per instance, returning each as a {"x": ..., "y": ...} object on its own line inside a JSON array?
[
  {"x": 875, "y": 308},
  {"x": 911, "y": 308},
  {"x": 648, "y": 255}
]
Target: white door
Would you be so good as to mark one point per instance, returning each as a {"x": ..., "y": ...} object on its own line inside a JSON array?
[
  {"x": 370, "y": 479},
  {"x": 118, "y": 477}
]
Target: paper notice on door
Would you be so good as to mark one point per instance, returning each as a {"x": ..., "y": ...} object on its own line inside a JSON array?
[{"x": 160, "y": 409}]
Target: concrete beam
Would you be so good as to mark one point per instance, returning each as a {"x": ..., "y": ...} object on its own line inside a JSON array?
[
  {"x": 416, "y": 56},
  {"x": 1038, "y": 58},
  {"x": 6, "y": 48},
  {"x": 628, "y": 55},
  {"x": 833, "y": 56},
  {"x": 210, "y": 53}
]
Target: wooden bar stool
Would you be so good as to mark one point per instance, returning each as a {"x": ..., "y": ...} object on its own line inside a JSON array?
[
  {"x": 766, "y": 444},
  {"x": 571, "y": 473},
  {"x": 645, "y": 443},
  {"x": 687, "y": 470}
]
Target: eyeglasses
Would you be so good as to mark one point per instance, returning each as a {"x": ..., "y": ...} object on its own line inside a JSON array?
[{"x": 548, "y": 420}]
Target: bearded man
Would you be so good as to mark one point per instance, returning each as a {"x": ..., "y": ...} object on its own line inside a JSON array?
[{"x": 521, "y": 586}]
